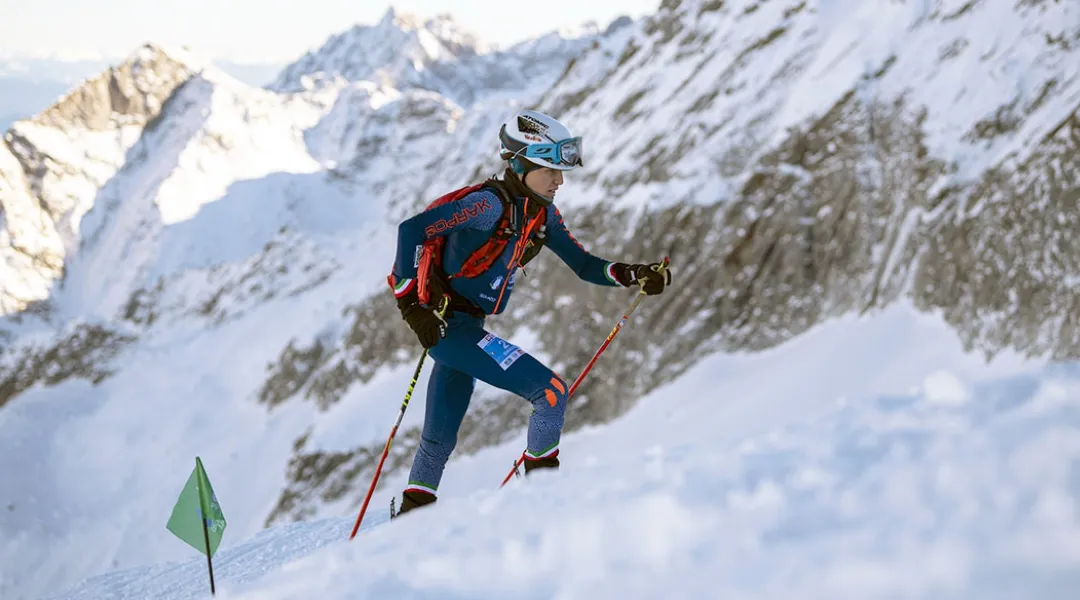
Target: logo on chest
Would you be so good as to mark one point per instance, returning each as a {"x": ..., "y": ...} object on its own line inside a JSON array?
[
  {"x": 495, "y": 283},
  {"x": 458, "y": 218}
]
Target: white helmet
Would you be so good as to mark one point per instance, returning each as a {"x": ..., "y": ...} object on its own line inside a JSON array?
[{"x": 540, "y": 140}]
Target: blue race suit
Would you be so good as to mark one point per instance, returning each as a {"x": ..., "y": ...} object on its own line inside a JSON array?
[{"x": 469, "y": 352}]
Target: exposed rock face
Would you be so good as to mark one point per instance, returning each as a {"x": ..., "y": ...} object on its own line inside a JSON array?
[
  {"x": 1001, "y": 260},
  {"x": 131, "y": 93},
  {"x": 83, "y": 351}
]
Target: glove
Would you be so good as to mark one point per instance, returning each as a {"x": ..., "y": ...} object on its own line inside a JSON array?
[
  {"x": 426, "y": 323},
  {"x": 649, "y": 276}
]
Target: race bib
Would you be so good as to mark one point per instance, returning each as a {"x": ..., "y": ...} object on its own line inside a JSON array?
[{"x": 501, "y": 350}]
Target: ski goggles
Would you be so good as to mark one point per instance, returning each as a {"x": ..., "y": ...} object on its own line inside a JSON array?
[{"x": 564, "y": 152}]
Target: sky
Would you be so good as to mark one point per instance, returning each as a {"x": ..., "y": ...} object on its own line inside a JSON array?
[{"x": 283, "y": 31}]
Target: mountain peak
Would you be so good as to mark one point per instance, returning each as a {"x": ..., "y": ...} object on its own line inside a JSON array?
[
  {"x": 409, "y": 21},
  {"x": 392, "y": 51},
  {"x": 404, "y": 51},
  {"x": 132, "y": 91},
  {"x": 388, "y": 16}
]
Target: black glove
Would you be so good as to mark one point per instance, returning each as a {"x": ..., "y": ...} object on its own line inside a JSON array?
[
  {"x": 426, "y": 323},
  {"x": 651, "y": 277}
]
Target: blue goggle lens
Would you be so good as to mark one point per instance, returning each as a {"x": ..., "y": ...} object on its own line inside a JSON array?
[{"x": 564, "y": 152}]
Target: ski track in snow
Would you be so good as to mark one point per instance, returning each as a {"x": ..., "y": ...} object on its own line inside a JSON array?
[{"x": 870, "y": 458}]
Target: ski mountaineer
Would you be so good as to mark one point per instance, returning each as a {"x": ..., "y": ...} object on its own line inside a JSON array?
[{"x": 466, "y": 247}]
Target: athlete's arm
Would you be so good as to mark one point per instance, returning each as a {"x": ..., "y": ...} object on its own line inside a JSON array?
[{"x": 587, "y": 266}]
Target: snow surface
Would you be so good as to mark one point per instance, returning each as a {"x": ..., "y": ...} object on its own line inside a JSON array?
[{"x": 870, "y": 458}]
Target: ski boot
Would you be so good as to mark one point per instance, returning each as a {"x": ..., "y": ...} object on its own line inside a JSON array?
[
  {"x": 547, "y": 462},
  {"x": 411, "y": 499}
]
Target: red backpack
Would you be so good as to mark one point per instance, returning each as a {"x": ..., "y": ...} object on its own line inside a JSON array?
[{"x": 430, "y": 262}]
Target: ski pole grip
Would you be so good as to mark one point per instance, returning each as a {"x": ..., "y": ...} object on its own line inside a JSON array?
[{"x": 663, "y": 266}]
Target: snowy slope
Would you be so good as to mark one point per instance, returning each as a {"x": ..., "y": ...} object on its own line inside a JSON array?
[
  {"x": 203, "y": 262},
  {"x": 871, "y": 458}
]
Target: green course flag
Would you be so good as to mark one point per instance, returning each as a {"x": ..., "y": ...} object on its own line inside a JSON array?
[
  {"x": 198, "y": 499},
  {"x": 197, "y": 518}
]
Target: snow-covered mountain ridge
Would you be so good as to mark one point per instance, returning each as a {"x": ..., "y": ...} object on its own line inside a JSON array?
[
  {"x": 404, "y": 52},
  {"x": 797, "y": 161}
]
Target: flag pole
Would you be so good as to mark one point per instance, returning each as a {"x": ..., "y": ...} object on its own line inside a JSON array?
[{"x": 209, "y": 561}]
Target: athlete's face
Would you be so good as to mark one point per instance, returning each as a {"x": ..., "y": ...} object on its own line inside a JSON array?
[{"x": 544, "y": 181}]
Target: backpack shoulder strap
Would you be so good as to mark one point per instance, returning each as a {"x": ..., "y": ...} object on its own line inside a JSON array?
[{"x": 538, "y": 240}]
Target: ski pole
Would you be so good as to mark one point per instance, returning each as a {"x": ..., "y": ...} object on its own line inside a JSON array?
[
  {"x": 626, "y": 316},
  {"x": 393, "y": 432}
]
